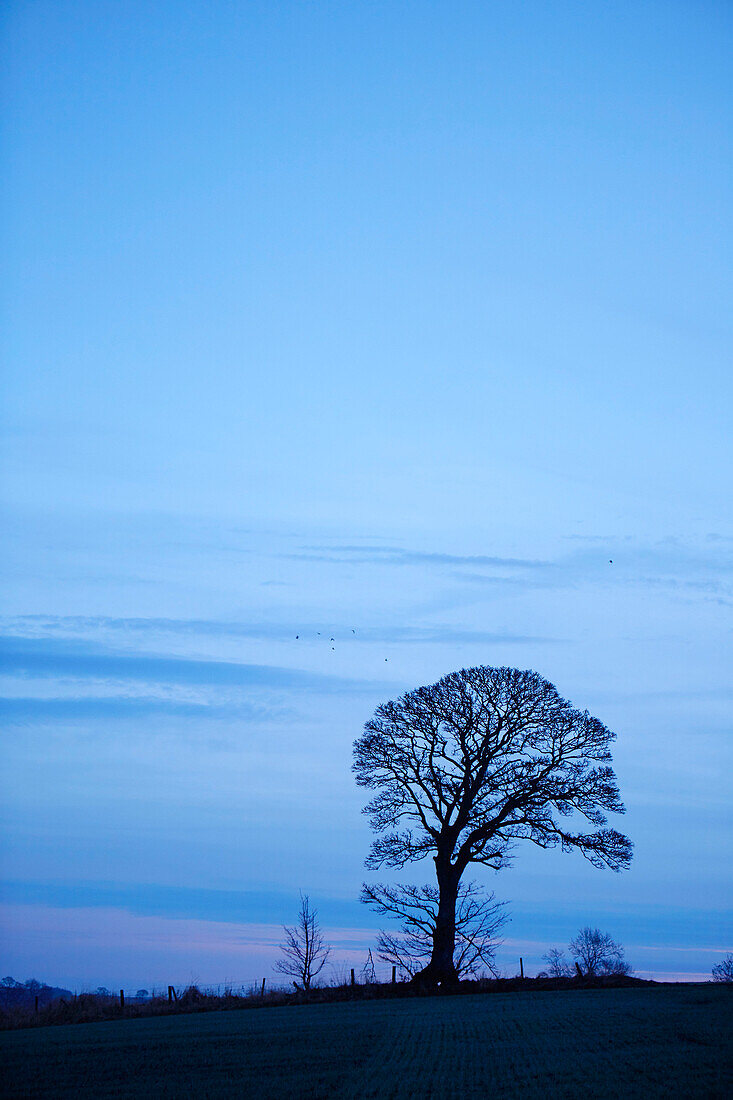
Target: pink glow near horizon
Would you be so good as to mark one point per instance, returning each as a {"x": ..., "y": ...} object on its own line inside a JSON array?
[{"x": 113, "y": 947}]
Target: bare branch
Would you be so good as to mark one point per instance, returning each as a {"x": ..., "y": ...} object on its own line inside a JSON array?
[{"x": 478, "y": 919}]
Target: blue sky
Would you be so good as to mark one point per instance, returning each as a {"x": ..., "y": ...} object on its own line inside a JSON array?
[{"x": 406, "y": 324}]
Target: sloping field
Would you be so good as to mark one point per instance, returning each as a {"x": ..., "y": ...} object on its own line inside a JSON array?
[{"x": 672, "y": 1041}]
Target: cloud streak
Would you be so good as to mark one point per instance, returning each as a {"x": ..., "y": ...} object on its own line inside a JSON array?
[
  {"x": 64, "y": 658},
  {"x": 198, "y": 903},
  {"x": 26, "y": 710},
  {"x": 37, "y": 626},
  {"x": 692, "y": 571},
  {"x": 398, "y": 555}
]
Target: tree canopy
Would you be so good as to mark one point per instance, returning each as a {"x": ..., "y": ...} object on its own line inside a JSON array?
[{"x": 481, "y": 759}]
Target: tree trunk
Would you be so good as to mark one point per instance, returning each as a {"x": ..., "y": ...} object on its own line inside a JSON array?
[{"x": 441, "y": 970}]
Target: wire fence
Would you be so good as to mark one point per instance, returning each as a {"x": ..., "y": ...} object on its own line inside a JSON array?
[{"x": 370, "y": 974}]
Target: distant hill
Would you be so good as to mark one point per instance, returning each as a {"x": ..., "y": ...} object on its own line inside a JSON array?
[{"x": 23, "y": 994}]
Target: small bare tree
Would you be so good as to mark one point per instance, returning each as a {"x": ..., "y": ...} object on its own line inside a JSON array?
[
  {"x": 304, "y": 949},
  {"x": 368, "y": 973},
  {"x": 723, "y": 971},
  {"x": 595, "y": 952},
  {"x": 557, "y": 965},
  {"x": 478, "y": 919}
]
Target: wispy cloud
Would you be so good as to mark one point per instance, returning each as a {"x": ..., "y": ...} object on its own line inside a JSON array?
[
  {"x": 57, "y": 657},
  {"x": 146, "y": 899},
  {"x": 398, "y": 555},
  {"x": 25, "y": 710},
  {"x": 701, "y": 571},
  {"x": 517, "y": 584},
  {"x": 39, "y": 626},
  {"x": 446, "y": 635},
  {"x": 42, "y": 625}
]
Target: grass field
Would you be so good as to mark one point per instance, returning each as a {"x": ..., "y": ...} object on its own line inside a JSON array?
[{"x": 672, "y": 1041}]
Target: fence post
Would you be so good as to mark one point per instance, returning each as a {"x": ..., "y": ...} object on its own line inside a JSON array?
[
  {"x": 263, "y": 987},
  {"x": 394, "y": 974},
  {"x": 122, "y": 998},
  {"x": 521, "y": 967},
  {"x": 353, "y": 979}
]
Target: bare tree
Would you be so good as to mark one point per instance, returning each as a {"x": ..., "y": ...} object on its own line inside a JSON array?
[
  {"x": 304, "y": 949},
  {"x": 723, "y": 971},
  {"x": 557, "y": 965},
  {"x": 595, "y": 952},
  {"x": 465, "y": 768},
  {"x": 478, "y": 919},
  {"x": 368, "y": 974}
]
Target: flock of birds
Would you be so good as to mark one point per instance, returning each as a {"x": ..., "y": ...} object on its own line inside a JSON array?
[
  {"x": 318, "y": 634},
  {"x": 353, "y": 631}
]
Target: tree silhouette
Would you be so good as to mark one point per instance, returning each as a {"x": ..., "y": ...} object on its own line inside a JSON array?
[
  {"x": 723, "y": 971},
  {"x": 595, "y": 952},
  {"x": 305, "y": 953},
  {"x": 467, "y": 767},
  {"x": 368, "y": 973},
  {"x": 478, "y": 919},
  {"x": 557, "y": 965}
]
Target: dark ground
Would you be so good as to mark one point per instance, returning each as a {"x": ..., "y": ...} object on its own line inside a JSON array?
[{"x": 655, "y": 1041}]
